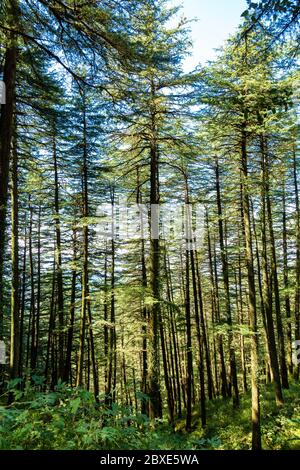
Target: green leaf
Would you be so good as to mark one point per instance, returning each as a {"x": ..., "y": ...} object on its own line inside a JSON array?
[
  {"x": 13, "y": 383},
  {"x": 74, "y": 404},
  {"x": 142, "y": 396},
  {"x": 245, "y": 14},
  {"x": 38, "y": 379}
]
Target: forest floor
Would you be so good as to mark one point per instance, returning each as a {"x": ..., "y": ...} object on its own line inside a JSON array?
[
  {"x": 68, "y": 419},
  {"x": 230, "y": 429}
]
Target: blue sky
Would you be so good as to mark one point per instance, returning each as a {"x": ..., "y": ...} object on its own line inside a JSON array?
[{"x": 217, "y": 20}]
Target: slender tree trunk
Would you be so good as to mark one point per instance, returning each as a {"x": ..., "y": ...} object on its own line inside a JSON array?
[
  {"x": 232, "y": 360},
  {"x": 286, "y": 282},
  {"x": 38, "y": 290},
  {"x": 51, "y": 328},
  {"x": 199, "y": 317},
  {"x": 106, "y": 333},
  {"x": 216, "y": 308},
  {"x": 58, "y": 259},
  {"x": 280, "y": 332},
  {"x": 33, "y": 345},
  {"x": 112, "y": 366},
  {"x": 84, "y": 276},
  {"x": 154, "y": 310},
  {"x": 210, "y": 383},
  {"x": 145, "y": 319},
  {"x": 22, "y": 306},
  {"x": 189, "y": 353},
  {"x": 167, "y": 375},
  {"x": 6, "y": 133},
  {"x": 93, "y": 352},
  {"x": 239, "y": 306},
  {"x": 70, "y": 332},
  {"x": 256, "y": 431},
  {"x": 134, "y": 390},
  {"x": 202, "y": 343},
  {"x": 15, "y": 304},
  {"x": 266, "y": 296},
  {"x": 260, "y": 288},
  {"x": 173, "y": 335},
  {"x": 297, "y": 282},
  {"x": 170, "y": 359}
]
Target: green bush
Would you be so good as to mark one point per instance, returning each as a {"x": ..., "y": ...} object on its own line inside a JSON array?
[{"x": 70, "y": 419}]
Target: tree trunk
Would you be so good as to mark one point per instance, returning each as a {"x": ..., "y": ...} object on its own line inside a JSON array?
[
  {"x": 189, "y": 353},
  {"x": 167, "y": 374},
  {"x": 112, "y": 354},
  {"x": 84, "y": 276},
  {"x": 297, "y": 286},
  {"x": 6, "y": 133},
  {"x": 266, "y": 295},
  {"x": 32, "y": 333},
  {"x": 154, "y": 310},
  {"x": 58, "y": 259},
  {"x": 256, "y": 431},
  {"x": 15, "y": 304},
  {"x": 232, "y": 361},
  {"x": 145, "y": 319},
  {"x": 173, "y": 336},
  {"x": 70, "y": 332},
  {"x": 216, "y": 308},
  {"x": 286, "y": 282},
  {"x": 22, "y": 306},
  {"x": 280, "y": 332}
]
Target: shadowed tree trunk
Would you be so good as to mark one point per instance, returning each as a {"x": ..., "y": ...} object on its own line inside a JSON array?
[
  {"x": 6, "y": 133},
  {"x": 154, "y": 310},
  {"x": 15, "y": 304}
]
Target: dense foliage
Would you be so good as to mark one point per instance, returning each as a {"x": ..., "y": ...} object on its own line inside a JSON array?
[{"x": 112, "y": 331}]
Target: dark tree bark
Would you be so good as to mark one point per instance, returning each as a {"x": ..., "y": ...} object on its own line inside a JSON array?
[
  {"x": 15, "y": 301},
  {"x": 6, "y": 136},
  {"x": 145, "y": 319},
  {"x": 154, "y": 311}
]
